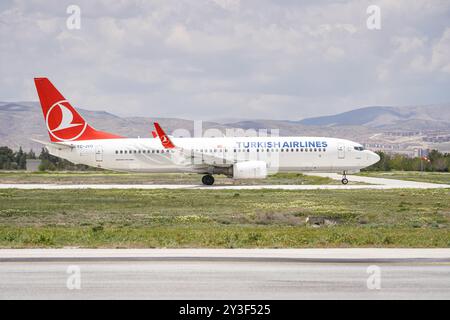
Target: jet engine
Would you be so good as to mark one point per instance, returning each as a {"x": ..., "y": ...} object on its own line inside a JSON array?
[{"x": 250, "y": 170}]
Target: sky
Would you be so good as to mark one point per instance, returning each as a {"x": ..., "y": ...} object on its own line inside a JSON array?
[{"x": 228, "y": 59}]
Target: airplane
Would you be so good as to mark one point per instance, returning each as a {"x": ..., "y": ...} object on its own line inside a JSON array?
[{"x": 72, "y": 138}]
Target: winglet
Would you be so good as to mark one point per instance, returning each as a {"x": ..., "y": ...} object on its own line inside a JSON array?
[
  {"x": 165, "y": 140},
  {"x": 154, "y": 134}
]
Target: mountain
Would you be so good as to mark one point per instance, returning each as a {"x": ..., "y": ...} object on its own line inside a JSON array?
[
  {"x": 20, "y": 121},
  {"x": 395, "y": 118}
]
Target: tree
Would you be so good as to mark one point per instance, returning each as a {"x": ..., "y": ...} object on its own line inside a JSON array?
[
  {"x": 31, "y": 154},
  {"x": 7, "y": 158},
  {"x": 48, "y": 162},
  {"x": 46, "y": 165},
  {"x": 439, "y": 161},
  {"x": 20, "y": 158},
  {"x": 382, "y": 165},
  {"x": 435, "y": 161}
]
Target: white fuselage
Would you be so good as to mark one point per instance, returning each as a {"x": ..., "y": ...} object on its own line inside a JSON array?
[{"x": 209, "y": 155}]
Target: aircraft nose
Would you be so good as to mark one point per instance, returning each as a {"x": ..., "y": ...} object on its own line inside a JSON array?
[{"x": 374, "y": 158}]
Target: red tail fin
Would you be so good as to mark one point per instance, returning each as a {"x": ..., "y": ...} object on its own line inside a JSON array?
[{"x": 63, "y": 122}]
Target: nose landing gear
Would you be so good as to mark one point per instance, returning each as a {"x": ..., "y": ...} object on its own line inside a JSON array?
[
  {"x": 344, "y": 178},
  {"x": 208, "y": 180}
]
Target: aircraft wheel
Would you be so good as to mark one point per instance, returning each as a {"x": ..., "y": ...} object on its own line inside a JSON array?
[
  {"x": 344, "y": 181},
  {"x": 208, "y": 180}
]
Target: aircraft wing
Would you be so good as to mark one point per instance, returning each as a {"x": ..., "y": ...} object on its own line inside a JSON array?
[{"x": 188, "y": 153}]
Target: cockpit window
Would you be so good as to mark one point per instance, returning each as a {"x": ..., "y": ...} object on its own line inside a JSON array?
[{"x": 359, "y": 148}]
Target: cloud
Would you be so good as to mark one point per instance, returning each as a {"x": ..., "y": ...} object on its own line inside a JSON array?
[
  {"x": 440, "y": 58},
  {"x": 204, "y": 59},
  {"x": 179, "y": 38}
]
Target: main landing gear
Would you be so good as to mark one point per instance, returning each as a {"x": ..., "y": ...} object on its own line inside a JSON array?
[
  {"x": 344, "y": 178},
  {"x": 208, "y": 180}
]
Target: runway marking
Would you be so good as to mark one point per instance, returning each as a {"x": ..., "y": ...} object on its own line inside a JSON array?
[
  {"x": 229, "y": 259},
  {"x": 332, "y": 255}
]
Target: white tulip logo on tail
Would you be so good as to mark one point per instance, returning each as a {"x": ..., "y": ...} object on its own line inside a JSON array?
[{"x": 63, "y": 122}]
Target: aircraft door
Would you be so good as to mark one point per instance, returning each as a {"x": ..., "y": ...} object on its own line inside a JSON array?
[
  {"x": 223, "y": 155},
  {"x": 98, "y": 153},
  {"x": 341, "y": 151},
  {"x": 192, "y": 156}
]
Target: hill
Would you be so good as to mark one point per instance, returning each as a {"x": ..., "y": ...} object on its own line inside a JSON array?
[
  {"x": 379, "y": 127},
  {"x": 393, "y": 118}
]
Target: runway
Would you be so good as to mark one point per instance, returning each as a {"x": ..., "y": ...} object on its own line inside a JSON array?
[
  {"x": 371, "y": 183},
  {"x": 226, "y": 274}
]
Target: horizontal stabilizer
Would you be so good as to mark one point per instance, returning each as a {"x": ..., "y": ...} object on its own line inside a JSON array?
[{"x": 56, "y": 144}]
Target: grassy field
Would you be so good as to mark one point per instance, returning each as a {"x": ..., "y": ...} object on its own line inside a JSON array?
[
  {"x": 224, "y": 218},
  {"x": 432, "y": 177},
  {"x": 107, "y": 177}
]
